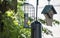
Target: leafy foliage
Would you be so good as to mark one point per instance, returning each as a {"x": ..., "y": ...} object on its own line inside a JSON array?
[{"x": 13, "y": 24}]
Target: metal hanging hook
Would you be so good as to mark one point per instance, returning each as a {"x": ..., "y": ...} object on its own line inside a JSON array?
[
  {"x": 36, "y": 9},
  {"x": 49, "y": 2}
]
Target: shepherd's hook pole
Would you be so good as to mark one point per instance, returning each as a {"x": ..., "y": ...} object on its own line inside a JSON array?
[{"x": 37, "y": 9}]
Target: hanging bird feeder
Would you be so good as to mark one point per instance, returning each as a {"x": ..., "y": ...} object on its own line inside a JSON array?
[
  {"x": 48, "y": 12},
  {"x": 29, "y": 12}
]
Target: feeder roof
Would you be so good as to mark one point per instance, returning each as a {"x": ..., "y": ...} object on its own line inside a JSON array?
[{"x": 48, "y": 8}]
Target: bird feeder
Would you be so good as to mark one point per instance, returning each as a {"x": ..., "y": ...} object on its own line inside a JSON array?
[
  {"x": 29, "y": 12},
  {"x": 48, "y": 12}
]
